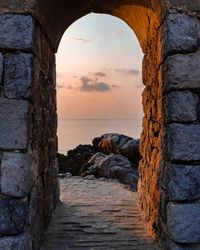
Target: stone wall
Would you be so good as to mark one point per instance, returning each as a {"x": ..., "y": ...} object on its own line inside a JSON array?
[
  {"x": 28, "y": 142},
  {"x": 149, "y": 189},
  {"x": 169, "y": 188},
  {"x": 170, "y": 144},
  {"x": 180, "y": 211}
]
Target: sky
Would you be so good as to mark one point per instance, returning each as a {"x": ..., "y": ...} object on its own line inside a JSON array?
[{"x": 99, "y": 63}]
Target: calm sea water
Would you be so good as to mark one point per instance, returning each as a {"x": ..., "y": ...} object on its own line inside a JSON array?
[{"x": 71, "y": 133}]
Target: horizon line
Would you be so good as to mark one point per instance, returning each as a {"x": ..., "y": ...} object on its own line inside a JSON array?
[{"x": 99, "y": 118}]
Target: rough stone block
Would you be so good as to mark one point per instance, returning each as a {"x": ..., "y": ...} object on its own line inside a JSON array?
[
  {"x": 16, "y": 174},
  {"x": 184, "y": 222},
  {"x": 180, "y": 34},
  {"x": 14, "y": 124},
  {"x": 1, "y": 67},
  {"x": 19, "y": 242},
  {"x": 182, "y": 106},
  {"x": 182, "y": 72},
  {"x": 16, "y": 31},
  {"x": 18, "y": 75},
  {"x": 183, "y": 142},
  {"x": 175, "y": 246},
  {"x": 13, "y": 215},
  {"x": 193, "y": 5},
  {"x": 198, "y": 27},
  {"x": 182, "y": 182},
  {"x": 14, "y": 5}
]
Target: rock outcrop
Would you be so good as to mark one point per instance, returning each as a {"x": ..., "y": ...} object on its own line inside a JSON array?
[
  {"x": 112, "y": 156},
  {"x": 118, "y": 144},
  {"x": 75, "y": 159},
  {"x": 112, "y": 167}
]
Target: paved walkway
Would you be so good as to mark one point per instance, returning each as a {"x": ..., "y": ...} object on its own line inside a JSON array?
[{"x": 97, "y": 215}]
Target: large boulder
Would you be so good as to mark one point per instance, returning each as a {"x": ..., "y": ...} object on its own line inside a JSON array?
[
  {"x": 118, "y": 144},
  {"x": 112, "y": 167},
  {"x": 75, "y": 159}
]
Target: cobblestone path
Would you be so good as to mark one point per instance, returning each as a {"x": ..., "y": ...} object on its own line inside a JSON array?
[{"x": 97, "y": 215}]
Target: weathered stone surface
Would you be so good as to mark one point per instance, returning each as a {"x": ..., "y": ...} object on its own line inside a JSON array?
[
  {"x": 118, "y": 144},
  {"x": 176, "y": 246},
  {"x": 198, "y": 27},
  {"x": 75, "y": 159},
  {"x": 18, "y": 75},
  {"x": 181, "y": 37},
  {"x": 180, "y": 34},
  {"x": 1, "y": 67},
  {"x": 182, "y": 182},
  {"x": 184, "y": 222},
  {"x": 56, "y": 187},
  {"x": 14, "y": 124},
  {"x": 182, "y": 106},
  {"x": 16, "y": 174},
  {"x": 16, "y": 31},
  {"x": 101, "y": 215},
  {"x": 14, "y": 5},
  {"x": 13, "y": 216},
  {"x": 113, "y": 167},
  {"x": 183, "y": 142},
  {"x": 193, "y": 5},
  {"x": 19, "y": 242},
  {"x": 182, "y": 72}
]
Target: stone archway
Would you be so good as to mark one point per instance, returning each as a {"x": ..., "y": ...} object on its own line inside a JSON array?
[{"x": 169, "y": 189}]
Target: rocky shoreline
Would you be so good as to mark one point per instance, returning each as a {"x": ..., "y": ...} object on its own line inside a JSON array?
[{"x": 111, "y": 156}]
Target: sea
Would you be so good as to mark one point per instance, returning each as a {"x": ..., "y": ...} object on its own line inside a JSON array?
[{"x": 72, "y": 132}]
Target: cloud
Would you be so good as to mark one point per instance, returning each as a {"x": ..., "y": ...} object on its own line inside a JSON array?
[
  {"x": 134, "y": 72},
  {"x": 89, "y": 85},
  {"x": 115, "y": 86},
  {"x": 82, "y": 40},
  {"x": 70, "y": 87},
  {"x": 100, "y": 74},
  {"x": 60, "y": 86}
]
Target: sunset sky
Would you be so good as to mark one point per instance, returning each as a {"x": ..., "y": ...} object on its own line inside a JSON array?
[{"x": 99, "y": 70}]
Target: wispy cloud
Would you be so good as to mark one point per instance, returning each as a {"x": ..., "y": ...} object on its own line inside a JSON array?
[
  {"x": 100, "y": 74},
  {"x": 82, "y": 40},
  {"x": 60, "y": 86},
  {"x": 89, "y": 85},
  {"x": 60, "y": 83},
  {"x": 114, "y": 86},
  {"x": 70, "y": 87},
  {"x": 134, "y": 72}
]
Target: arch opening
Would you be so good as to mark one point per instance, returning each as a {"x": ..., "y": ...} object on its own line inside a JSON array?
[
  {"x": 99, "y": 76},
  {"x": 145, "y": 20}
]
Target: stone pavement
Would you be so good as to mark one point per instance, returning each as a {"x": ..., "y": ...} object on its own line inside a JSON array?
[{"x": 97, "y": 215}]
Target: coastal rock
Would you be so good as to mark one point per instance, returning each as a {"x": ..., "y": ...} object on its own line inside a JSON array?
[
  {"x": 112, "y": 156},
  {"x": 118, "y": 144},
  {"x": 75, "y": 159},
  {"x": 112, "y": 167}
]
